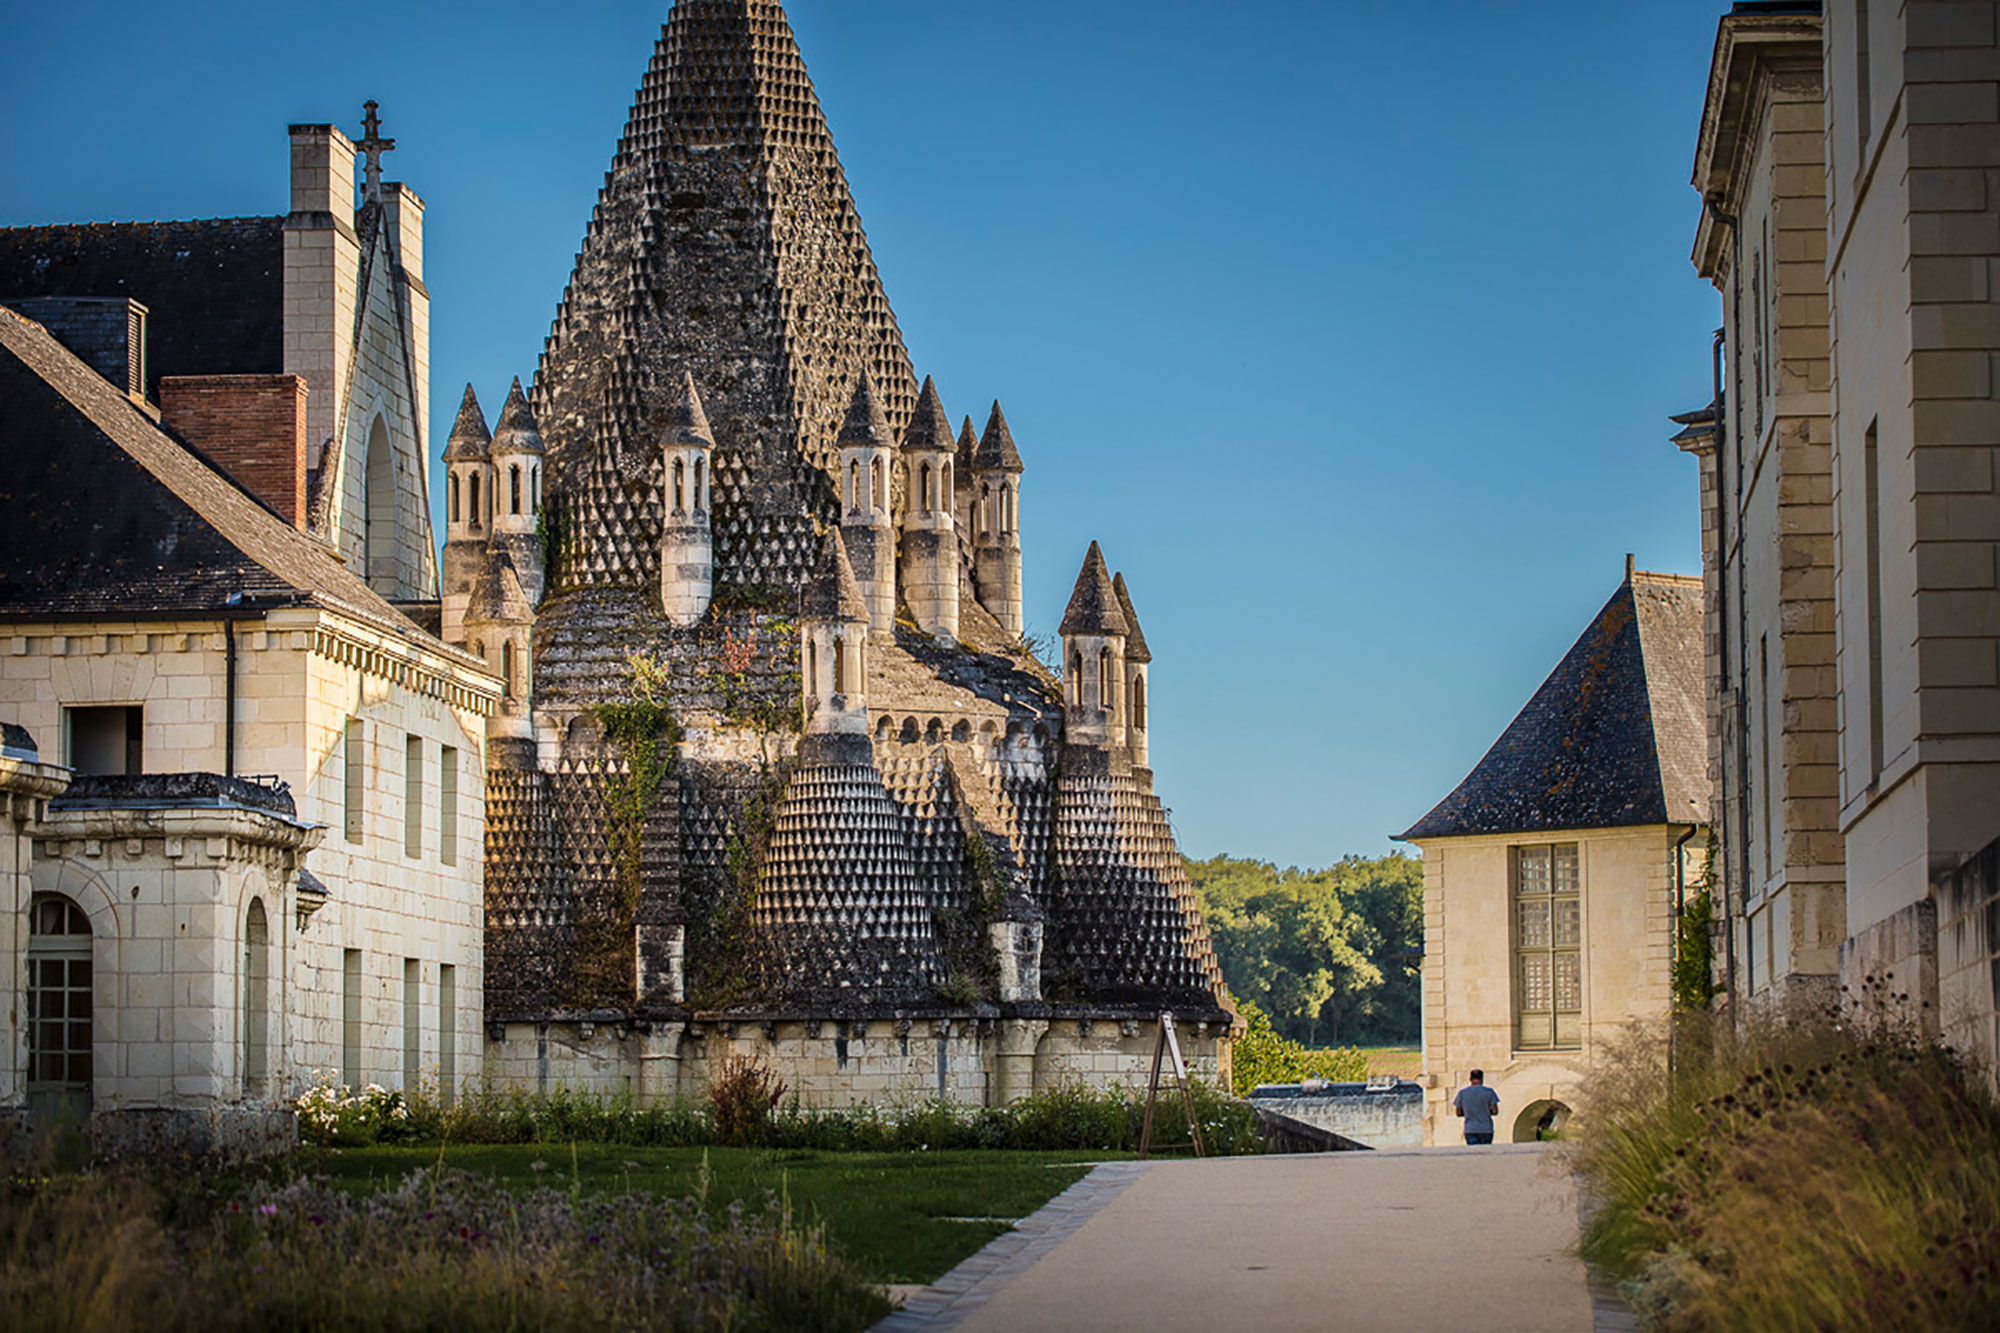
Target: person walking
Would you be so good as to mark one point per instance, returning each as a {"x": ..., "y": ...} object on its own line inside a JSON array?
[{"x": 1476, "y": 1103}]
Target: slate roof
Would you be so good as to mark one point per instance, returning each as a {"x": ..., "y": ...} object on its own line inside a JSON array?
[
  {"x": 214, "y": 290},
  {"x": 996, "y": 450},
  {"x": 1616, "y": 736},
  {"x": 103, "y": 513},
  {"x": 930, "y": 428},
  {"x": 1136, "y": 650},
  {"x": 1093, "y": 606},
  {"x": 469, "y": 436}
]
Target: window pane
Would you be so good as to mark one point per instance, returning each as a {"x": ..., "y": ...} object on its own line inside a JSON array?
[
  {"x": 1565, "y": 859},
  {"x": 1534, "y": 982},
  {"x": 1534, "y": 925},
  {"x": 1569, "y": 982},
  {"x": 1569, "y": 923},
  {"x": 1569, "y": 1030},
  {"x": 79, "y": 1068},
  {"x": 79, "y": 1004},
  {"x": 1536, "y": 1030},
  {"x": 1534, "y": 871}
]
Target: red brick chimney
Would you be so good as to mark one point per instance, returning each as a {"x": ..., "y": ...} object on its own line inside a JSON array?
[{"x": 251, "y": 426}]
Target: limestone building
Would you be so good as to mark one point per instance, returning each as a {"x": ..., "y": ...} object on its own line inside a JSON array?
[
  {"x": 1766, "y": 461},
  {"x": 1907, "y": 234},
  {"x": 776, "y": 769},
  {"x": 1553, "y": 873},
  {"x": 244, "y": 788}
]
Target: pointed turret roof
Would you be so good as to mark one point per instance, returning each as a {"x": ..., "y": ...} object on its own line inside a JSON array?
[
  {"x": 1616, "y": 736},
  {"x": 1135, "y": 640},
  {"x": 866, "y": 425},
  {"x": 968, "y": 445},
  {"x": 687, "y": 423},
  {"x": 833, "y": 593},
  {"x": 996, "y": 447},
  {"x": 497, "y": 595},
  {"x": 516, "y": 433},
  {"x": 469, "y": 436},
  {"x": 1093, "y": 607},
  {"x": 930, "y": 428}
]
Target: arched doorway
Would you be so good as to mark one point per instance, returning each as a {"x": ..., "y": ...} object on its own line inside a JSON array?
[
  {"x": 378, "y": 505},
  {"x": 1540, "y": 1121},
  {"x": 61, "y": 1008},
  {"x": 256, "y": 1000}
]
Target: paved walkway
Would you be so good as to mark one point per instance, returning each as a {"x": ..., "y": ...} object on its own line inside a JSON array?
[{"x": 1438, "y": 1238}]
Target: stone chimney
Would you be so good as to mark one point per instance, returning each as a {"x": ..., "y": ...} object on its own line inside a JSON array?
[{"x": 251, "y": 426}]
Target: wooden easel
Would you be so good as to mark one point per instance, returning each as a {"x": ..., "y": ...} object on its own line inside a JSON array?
[{"x": 1164, "y": 1045}]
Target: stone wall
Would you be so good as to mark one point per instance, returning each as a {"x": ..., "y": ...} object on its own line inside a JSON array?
[{"x": 1370, "y": 1116}]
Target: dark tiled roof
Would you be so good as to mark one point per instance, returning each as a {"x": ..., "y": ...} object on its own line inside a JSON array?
[
  {"x": 1093, "y": 607},
  {"x": 469, "y": 436},
  {"x": 866, "y": 425},
  {"x": 930, "y": 428},
  {"x": 833, "y": 593},
  {"x": 102, "y": 513},
  {"x": 996, "y": 447},
  {"x": 516, "y": 433},
  {"x": 1616, "y": 736},
  {"x": 1136, "y": 650},
  {"x": 687, "y": 423},
  {"x": 214, "y": 290}
]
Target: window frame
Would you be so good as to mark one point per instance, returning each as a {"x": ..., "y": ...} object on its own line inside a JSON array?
[{"x": 1538, "y": 937}]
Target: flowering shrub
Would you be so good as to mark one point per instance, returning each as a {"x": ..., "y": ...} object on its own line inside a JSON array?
[{"x": 332, "y": 1116}]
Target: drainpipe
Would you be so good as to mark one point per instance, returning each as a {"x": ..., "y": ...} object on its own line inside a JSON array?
[
  {"x": 229, "y": 693},
  {"x": 1734, "y": 718}
]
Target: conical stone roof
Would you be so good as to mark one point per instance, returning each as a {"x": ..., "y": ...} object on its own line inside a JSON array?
[
  {"x": 930, "y": 428},
  {"x": 1136, "y": 650},
  {"x": 687, "y": 423},
  {"x": 469, "y": 437},
  {"x": 968, "y": 445},
  {"x": 1093, "y": 607},
  {"x": 865, "y": 426},
  {"x": 516, "y": 433},
  {"x": 996, "y": 451},
  {"x": 834, "y": 593}
]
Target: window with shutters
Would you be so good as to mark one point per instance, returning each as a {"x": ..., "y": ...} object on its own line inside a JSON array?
[{"x": 1548, "y": 948}]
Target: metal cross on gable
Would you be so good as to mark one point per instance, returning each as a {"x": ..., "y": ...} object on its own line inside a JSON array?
[{"x": 372, "y": 146}]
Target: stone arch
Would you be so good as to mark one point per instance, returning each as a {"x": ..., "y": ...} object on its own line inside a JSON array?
[
  {"x": 961, "y": 731},
  {"x": 77, "y": 883},
  {"x": 379, "y": 529},
  {"x": 884, "y": 730},
  {"x": 933, "y": 732},
  {"x": 1540, "y": 1120},
  {"x": 909, "y": 734}
]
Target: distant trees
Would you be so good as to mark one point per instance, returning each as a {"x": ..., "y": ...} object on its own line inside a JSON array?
[{"x": 1330, "y": 955}]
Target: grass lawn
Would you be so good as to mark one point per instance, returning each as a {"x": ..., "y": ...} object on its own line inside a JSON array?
[
  {"x": 1402, "y": 1061},
  {"x": 894, "y": 1214}
]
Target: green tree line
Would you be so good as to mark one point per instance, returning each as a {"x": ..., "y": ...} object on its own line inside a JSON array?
[{"x": 1331, "y": 955}]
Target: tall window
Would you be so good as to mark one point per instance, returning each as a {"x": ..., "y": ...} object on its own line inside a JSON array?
[
  {"x": 680, "y": 485},
  {"x": 839, "y": 665},
  {"x": 447, "y": 1032},
  {"x": 1863, "y": 77},
  {"x": 378, "y": 511},
  {"x": 507, "y": 667},
  {"x": 1139, "y": 702},
  {"x": 60, "y": 1005},
  {"x": 514, "y": 489},
  {"x": 854, "y": 485},
  {"x": 354, "y": 762},
  {"x": 700, "y": 481},
  {"x": 1871, "y": 466},
  {"x": 413, "y": 796},
  {"x": 413, "y": 1018},
  {"x": 350, "y": 1018},
  {"x": 1548, "y": 948},
  {"x": 924, "y": 494},
  {"x": 448, "y": 806},
  {"x": 454, "y": 497},
  {"x": 256, "y": 999},
  {"x": 876, "y": 489},
  {"x": 472, "y": 510},
  {"x": 1107, "y": 682}
]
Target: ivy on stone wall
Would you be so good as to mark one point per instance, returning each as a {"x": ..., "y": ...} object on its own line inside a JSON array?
[
  {"x": 722, "y": 942},
  {"x": 965, "y": 935},
  {"x": 764, "y": 709}
]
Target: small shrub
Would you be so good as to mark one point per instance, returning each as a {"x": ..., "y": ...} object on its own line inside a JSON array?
[
  {"x": 741, "y": 1097},
  {"x": 332, "y": 1115},
  {"x": 1263, "y": 1056}
]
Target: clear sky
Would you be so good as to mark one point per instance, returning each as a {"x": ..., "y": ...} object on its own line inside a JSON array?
[{"x": 1350, "y": 327}]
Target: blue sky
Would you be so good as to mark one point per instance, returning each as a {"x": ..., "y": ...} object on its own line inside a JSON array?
[{"x": 1350, "y": 329}]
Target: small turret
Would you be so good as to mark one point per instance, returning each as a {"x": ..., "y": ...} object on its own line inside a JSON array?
[
  {"x": 517, "y": 489},
  {"x": 833, "y": 646},
  {"x": 963, "y": 488},
  {"x": 930, "y": 535},
  {"x": 996, "y": 534},
  {"x": 468, "y": 482},
  {"x": 1138, "y": 657},
  {"x": 1094, "y": 631},
  {"x": 867, "y": 453},
  {"x": 687, "y": 553},
  {"x": 500, "y": 627}
]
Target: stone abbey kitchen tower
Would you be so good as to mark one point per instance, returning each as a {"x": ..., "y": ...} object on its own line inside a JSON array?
[{"x": 785, "y": 775}]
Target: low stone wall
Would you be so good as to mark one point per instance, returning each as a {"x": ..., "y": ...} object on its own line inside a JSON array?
[
  {"x": 968, "y": 1059},
  {"x": 158, "y": 1134},
  {"x": 1384, "y": 1115}
]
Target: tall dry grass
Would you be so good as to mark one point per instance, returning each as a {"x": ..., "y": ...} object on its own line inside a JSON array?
[{"x": 1808, "y": 1173}]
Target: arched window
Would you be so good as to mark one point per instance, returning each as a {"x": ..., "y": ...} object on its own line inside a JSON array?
[
  {"x": 256, "y": 999},
  {"x": 507, "y": 667},
  {"x": 854, "y": 485},
  {"x": 812, "y": 669},
  {"x": 680, "y": 485},
  {"x": 454, "y": 497},
  {"x": 514, "y": 489},
  {"x": 700, "y": 485},
  {"x": 1139, "y": 701},
  {"x": 60, "y": 996},
  {"x": 479, "y": 649},
  {"x": 1006, "y": 508},
  {"x": 926, "y": 501},
  {"x": 839, "y": 665},
  {"x": 876, "y": 486},
  {"x": 944, "y": 475},
  {"x": 378, "y": 504},
  {"x": 535, "y": 486},
  {"x": 985, "y": 499},
  {"x": 1107, "y": 683},
  {"x": 1076, "y": 678},
  {"x": 472, "y": 510}
]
